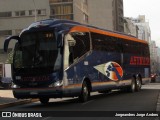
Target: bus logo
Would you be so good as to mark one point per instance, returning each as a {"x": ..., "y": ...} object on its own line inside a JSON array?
[{"x": 111, "y": 69}]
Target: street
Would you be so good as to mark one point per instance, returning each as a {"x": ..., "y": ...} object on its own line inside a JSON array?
[{"x": 145, "y": 100}]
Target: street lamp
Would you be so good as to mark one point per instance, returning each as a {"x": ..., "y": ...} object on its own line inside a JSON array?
[{"x": 35, "y": 11}]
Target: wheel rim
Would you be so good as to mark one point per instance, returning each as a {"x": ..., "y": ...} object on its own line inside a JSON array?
[
  {"x": 139, "y": 83},
  {"x": 85, "y": 93},
  {"x": 133, "y": 86}
]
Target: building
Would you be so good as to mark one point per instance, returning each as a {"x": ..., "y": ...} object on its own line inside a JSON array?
[
  {"x": 107, "y": 14},
  {"x": 130, "y": 28},
  {"x": 118, "y": 15},
  {"x": 18, "y": 14},
  {"x": 158, "y": 59},
  {"x": 154, "y": 57},
  {"x": 76, "y": 10},
  {"x": 138, "y": 27},
  {"x": 144, "y": 32}
]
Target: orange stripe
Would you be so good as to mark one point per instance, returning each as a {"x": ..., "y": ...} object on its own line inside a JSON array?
[
  {"x": 73, "y": 86},
  {"x": 79, "y": 29},
  {"x": 87, "y": 29}
]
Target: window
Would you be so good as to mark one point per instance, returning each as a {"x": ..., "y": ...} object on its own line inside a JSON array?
[
  {"x": 31, "y": 12},
  {"x": 106, "y": 43},
  {"x": 41, "y": 12},
  {"x": 82, "y": 44},
  {"x": 61, "y": 9},
  {"x": 5, "y": 32},
  {"x": 20, "y": 13},
  {"x": 5, "y": 14},
  {"x": 76, "y": 45},
  {"x": 131, "y": 47},
  {"x": 64, "y": 11}
]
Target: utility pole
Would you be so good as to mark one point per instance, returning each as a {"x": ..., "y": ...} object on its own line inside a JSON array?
[{"x": 35, "y": 11}]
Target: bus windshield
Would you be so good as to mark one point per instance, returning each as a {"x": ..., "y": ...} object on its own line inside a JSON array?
[{"x": 38, "y": 49}]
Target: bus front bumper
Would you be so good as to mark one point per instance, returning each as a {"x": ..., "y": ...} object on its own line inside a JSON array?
[{"x": 23, "y": 93}]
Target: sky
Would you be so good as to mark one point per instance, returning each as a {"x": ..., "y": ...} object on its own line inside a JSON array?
[{"x": 149, "y": 8}]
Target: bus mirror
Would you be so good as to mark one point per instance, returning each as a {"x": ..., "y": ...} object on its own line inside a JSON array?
[
  {"x": 7, "y": 40},
  {"x": 71, "y": 42}
]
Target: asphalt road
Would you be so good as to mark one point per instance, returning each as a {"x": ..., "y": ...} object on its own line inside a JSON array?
[
  {"x": 145, "y": 100},
  {"x": 100, "y": 104}
]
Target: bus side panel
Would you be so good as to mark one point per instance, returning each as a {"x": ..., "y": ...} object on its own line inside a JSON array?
[
  {"x": 95, "y": 67},
  {"x": 137, "y": 65}
]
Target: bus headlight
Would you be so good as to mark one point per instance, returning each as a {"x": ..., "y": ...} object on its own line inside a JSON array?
[
  {"x": 15, "y": 86},
  {"x": 56, "y": 84}
]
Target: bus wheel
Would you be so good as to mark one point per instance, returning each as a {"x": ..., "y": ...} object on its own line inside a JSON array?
[
  {"x": 85, "y": 93},
  {"x": 132, "y": 87},
  {"x": 44, "y": 100},
  {"x": 138, "y": 84}
]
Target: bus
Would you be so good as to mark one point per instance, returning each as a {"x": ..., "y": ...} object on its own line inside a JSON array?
[{"x": 61, "y": 58}]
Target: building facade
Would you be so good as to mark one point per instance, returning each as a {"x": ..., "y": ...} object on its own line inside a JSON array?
[
  {"x": 154, "y": 57},
  {"x": 76, "y": 10},
  {"x": 144, "y": 32},
  {"x": 107, "y": 14},
  {"x": 138, "y": 27},
  {"x": 16, "y": 15},
  {"x": 118, "y": 15},
  {"x": 130, "y": 28}
]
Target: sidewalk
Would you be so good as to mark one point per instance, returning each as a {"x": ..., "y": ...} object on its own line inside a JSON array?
[
  {"x": 7, "y": 99},
  {"x": 6, "y": 96}
]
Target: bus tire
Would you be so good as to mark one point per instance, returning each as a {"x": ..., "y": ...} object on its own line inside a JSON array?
[
  {"x": 132, "y": 87},
  {"x": 44, "y": 100},
  {"x": 85, "y": 92},
  {"x": 138, "y": 84}
]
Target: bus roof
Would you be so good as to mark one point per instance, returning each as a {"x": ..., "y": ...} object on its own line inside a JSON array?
[
  {"x": 75, "y": 26},
  {"x": 108, "y": 33}
]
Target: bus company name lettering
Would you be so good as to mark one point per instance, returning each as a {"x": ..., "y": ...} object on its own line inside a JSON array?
[
  {"x": 136, "y": 60},
  {"x": 37, "y": 78}
]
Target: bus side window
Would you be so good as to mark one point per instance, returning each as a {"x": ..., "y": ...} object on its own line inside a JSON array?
[
  {"x": 76, "y": 45},
  {"x": 82, "y": 45}
]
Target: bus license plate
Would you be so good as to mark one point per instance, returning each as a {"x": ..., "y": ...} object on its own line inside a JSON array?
[{"x": 33, "y": 93}]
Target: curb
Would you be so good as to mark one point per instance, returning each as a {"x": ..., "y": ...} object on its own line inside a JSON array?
[{"x": 21, "y": 102}]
